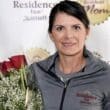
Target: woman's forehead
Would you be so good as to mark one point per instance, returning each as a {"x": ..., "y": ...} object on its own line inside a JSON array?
[{"x": 66, "y": 19}]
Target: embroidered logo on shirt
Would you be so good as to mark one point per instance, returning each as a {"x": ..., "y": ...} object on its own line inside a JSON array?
[{"x": 86, "y": 97}]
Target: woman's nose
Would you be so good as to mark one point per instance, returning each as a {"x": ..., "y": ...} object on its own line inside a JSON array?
[{"x": 69, "y": 33}]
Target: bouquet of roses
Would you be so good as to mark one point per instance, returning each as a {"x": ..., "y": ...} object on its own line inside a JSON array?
[{"x": 14, "y": 94}]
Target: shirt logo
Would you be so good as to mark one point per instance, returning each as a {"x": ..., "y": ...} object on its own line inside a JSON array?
[{"x": 86, "y": 97}]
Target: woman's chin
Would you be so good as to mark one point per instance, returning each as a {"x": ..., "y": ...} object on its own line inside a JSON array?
[{"x": 70, "y": 53}]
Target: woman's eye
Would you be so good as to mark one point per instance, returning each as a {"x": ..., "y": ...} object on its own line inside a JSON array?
[
  {"x": 76, "y": 28},
  {"x": 59, "y": 28}
]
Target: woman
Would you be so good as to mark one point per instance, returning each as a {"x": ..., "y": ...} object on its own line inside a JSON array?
[{"x": 72, "y": 78}]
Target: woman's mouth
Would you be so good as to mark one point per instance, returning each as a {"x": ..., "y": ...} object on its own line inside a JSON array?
[{"x": 68, "y": 44}]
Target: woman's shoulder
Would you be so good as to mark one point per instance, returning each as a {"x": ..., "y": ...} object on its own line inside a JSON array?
[
  {"x": 104, "y": 64},
  {"x": 44, "y": 64},
  {"x": 96, "y": 60}
]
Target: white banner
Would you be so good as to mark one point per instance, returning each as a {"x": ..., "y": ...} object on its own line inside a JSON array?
[{"x": 24, "y": 25}]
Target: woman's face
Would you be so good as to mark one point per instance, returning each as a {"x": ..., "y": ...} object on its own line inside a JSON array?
[{"x": 68, "y": 34}]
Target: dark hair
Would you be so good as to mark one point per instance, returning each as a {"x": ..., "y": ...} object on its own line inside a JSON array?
[{"x": 71, "y": 8}]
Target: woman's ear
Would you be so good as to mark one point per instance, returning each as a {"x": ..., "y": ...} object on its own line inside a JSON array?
[
  {"x": 87, "y": 32},
  {"x": 51, "y": 37}
]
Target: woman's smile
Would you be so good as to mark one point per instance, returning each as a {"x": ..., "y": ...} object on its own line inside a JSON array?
[{"x": 68, "y": 44}]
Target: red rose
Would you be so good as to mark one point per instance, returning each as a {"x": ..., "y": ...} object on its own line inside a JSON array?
[
  {"x": 6, "y": 66},
  {"x": 0, "y": 66},
  {"x": 18, "y": 61}
]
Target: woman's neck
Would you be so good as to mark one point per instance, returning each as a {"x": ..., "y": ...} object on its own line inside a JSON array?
[{"x": 71, "y": 64}]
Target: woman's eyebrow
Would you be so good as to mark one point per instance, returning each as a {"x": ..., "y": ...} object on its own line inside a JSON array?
[
  {"x": 58, "y": 25},
  {"x": 76, "y": 24}
]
